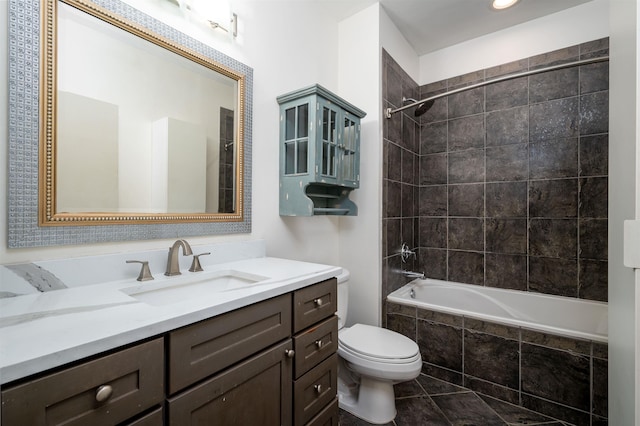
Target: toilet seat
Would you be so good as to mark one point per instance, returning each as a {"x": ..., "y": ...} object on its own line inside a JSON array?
[{"x": 378, "y": 345}]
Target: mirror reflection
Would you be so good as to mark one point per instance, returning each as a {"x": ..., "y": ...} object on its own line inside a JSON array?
[{"x": 141, "y": 133}]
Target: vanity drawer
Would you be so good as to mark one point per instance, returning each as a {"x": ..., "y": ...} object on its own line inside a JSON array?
[
  {"x": 315, "y": 344},
  {"x": 327, "y": 417},
  {"x": 200, "y": 350},
  {"x": 135, "y": 376},
  {"x": 314, "y": 390},
  {"x": 155, "y": 418},
  {"x": 314, "y": 303}
]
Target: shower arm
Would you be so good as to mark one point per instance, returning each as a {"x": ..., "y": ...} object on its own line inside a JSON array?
[{"x": 389, "y": 111}]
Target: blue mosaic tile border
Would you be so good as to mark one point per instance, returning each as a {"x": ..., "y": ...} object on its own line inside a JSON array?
[{"x": 24, "y": 118}]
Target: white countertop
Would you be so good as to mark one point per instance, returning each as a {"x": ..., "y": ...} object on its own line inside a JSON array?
[{"x": 44, "y": 330}]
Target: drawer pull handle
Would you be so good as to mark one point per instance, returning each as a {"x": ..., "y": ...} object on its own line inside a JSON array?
[
  {"x": 318, "y": 388},
  {"x": 103, "y": 393},
  {"x": 317, "y": 302},
  {"x": 290, "y": 353},
  {"x": 319, "y": 344}
]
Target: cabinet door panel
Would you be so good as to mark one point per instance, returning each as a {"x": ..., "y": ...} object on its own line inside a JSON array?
[
  {"x": 70, "y": 396},
  {"x": 327, "y": 417},
  {"x": 315, "y": 390},
  {"x": 200, "y": 350},
  {"x": 314, "y": 303},
  {"x": 254, "y": 392}
]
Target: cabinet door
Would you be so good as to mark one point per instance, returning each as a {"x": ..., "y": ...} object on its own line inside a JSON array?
[
  {"x": 294, "y": 127},
  {"x": 105, "y": 391},
  {"x": 254, "y": 392},
  {"x": 327, "y": 142},
  {"x": 349, "y": 166}
]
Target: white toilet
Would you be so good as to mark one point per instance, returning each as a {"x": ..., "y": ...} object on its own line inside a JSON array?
[{"x": 371, "y": 361}]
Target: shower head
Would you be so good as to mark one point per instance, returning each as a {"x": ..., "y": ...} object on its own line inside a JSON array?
[{"x": 423, "y": 107}]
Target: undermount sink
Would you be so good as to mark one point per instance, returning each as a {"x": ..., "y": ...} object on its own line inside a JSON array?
[{"x": 182, "y": 288}]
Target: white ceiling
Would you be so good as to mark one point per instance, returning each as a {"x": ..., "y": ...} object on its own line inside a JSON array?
[{"x": 429, "y": 25}]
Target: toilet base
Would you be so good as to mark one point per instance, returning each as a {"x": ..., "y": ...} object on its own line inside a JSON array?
[{"x": 371, "y": 400}]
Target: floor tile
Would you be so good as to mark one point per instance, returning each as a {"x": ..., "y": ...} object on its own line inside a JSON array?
[
  {"x": 434, "y": 386},
  {"x": 467, "y": 409},
  {"x": 514, "y": 414},
  {"x": 419, "y": 411}
]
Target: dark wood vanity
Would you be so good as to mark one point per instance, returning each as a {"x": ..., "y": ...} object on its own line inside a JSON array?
[{"x": 270, "y": 363}]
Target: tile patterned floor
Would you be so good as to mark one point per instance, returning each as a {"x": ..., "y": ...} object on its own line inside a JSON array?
[{"x": 429, "y": 401}]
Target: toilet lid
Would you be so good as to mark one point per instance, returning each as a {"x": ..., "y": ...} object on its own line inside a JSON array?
[{"x": 377, "y": 342}]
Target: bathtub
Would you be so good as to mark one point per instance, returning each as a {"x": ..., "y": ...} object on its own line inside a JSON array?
[{"x": 563, "y": 316}]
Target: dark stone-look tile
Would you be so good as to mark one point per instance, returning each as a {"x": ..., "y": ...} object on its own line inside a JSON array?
[
  {"x": 506, "y": 94},
  {"x": 433, "y": 262},
  {"x": 600, "y": 350},
  {"x": 433, "y": 138},
  {"x": 506, "y": 236},
  {"x": 438, "y": 111},
  {"x": 440, "y": 345},
  {"x": 393, "y": 83},
  {"x": 594, "y": 113},
  {"x": 393, "y": 198},
  {"x": 553, "y": 237},
  {"x": 408, "y": 389},
  {"x": 491, "y": 358},
  {"x": 391, "y": 231},
  {"x": 392, "y": 127},
  {"x": 594, "y": 155},
  {"x": 433, "y": 200},
  {"x": 466, "y": 132},
  {"x": 466, "y": 103},
  {"x": 550, "y": 85},
  {"x": 556, "y": 342},
  {"x": 410, "y": 164},
  {"x": 557, "y": 411},
  {"x": 593, "y": 283},
  {"x": 465, "y": 79},
  {"x": 419, "y": 411},
  {"x": 466, "y": 166},
  {"x": 553, "y": 276},
  {"x": 466, "y": 200},
  {"x": 507, "y": 163},
  {"x": 514, "y": 414},
  {"x": 553, "y": 198},
  {"x": 506, "y": 271},
  {"x": 407, "y": 200},
  {"x": 393, "y": 159},
  {"x": 433, "y": 232},
  {"x": 402, "y": 324},
  {"x": 467, "y": 409},
  {"x": 600, "y": 387},
  {"x": 409, "y": 132},
  {"x": 555, "y": 57},
  {"x": 509, "y": 126},
  {"x": 553, "y": 159},
  {"x": 508, "y": 199},
  {"x": 489, "y": 388},
  {"x": 508, "y": 68},
  {"x": 594, "y": 197},
  {"x": 595, "y": 48},
  {"x": 559, "y": 376},
  {"x": 594, "y": 77},
  {"x": 454, "y": 377},
  {"x": 397, "y": 308},
  {"x": 466, "y": 234},
  {"x": 555, "y": 119},
  {"x": 433, "y": 169},
  {"x": 440, "y": 317},
  {"x": 434, "y": 386},
  {"x": 492, "y": 328},
  {"x": 466, "y": 267},
  {"x": 593, "y": 239}
]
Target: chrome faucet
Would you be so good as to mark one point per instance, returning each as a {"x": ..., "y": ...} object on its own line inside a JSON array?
[{"x": 173, "y": 267}]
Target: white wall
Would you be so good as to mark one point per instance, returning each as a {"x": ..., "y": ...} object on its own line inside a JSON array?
[
  {"x": 289, "y": 44},
  {"x": 567, "y": 28},
  {"x": 623, "y": 204}
]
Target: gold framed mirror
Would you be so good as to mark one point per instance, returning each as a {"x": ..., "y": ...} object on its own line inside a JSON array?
[{"x": 169, "y": 154}]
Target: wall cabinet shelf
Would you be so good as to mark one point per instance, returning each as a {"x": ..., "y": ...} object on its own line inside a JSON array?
[{"x": 319, "y": 153}]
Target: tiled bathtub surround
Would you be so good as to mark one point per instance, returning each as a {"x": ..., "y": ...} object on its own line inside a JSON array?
[
  {"x": 503, "y": 185},
  {"x": 560, "y": 377}
]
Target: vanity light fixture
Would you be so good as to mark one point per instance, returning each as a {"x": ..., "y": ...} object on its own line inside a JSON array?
[
  {"x": 215, "y": 13},
  {"x": 502, "y": 4}
]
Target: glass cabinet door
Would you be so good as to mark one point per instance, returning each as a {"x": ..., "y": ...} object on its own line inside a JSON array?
[
  {"x": 349, "y": 150},
  {"x": 329, "y": 142},
  {"x": 296, "y": 143}
]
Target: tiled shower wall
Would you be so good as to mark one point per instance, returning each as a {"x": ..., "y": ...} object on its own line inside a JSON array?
[{"x": 503, "y": 185}]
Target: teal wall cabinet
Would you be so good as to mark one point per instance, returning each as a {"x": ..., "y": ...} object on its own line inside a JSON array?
[{"x": 319, "y": 153}]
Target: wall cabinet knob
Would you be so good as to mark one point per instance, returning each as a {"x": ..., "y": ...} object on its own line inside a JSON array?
[{"x": 103, "y": 393}]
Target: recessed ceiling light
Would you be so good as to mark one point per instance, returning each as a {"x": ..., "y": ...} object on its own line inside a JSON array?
[{"x": 503, "y": 4}]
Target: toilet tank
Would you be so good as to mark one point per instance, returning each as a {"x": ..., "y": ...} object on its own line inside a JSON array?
[{"x": 343, "y": 297}]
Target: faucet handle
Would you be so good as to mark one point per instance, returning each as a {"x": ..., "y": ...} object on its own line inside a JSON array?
[
  {"x": 145, "y": 272},
  {"x": 195, "y": 264}
]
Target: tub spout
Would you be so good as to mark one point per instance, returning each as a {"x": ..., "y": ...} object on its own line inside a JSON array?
[{"x": 411, "y": 274}]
